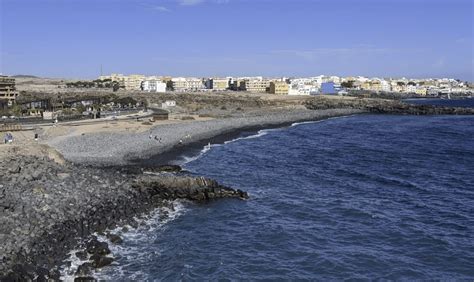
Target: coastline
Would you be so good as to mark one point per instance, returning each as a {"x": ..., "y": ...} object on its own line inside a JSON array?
[
  {"x": 173, "y": 155},
  {"x": 109, "y": 198},
  {"x": 127, "y": 149},
  {"x": 54, "y": 208}
]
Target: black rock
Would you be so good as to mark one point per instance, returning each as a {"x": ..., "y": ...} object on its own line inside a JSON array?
[
  {"x": 169, "y": 168},
  {"x": 81, "y": 255},
  {"x": 84, "y": 279},
  {"x": 99, "y": 261},
  {"x": 96, "y": 247},
  {"x": 84, "y": 269},
  {"x": 114, "y": 238}
]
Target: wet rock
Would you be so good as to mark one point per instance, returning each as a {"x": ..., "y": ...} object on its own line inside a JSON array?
[
  {"x": 99, "y": 261},
  {"x": 96, "y": 247},
  {"x": 114, "y": 238},
  {"x": 81, "y": 255},
  {"x": 84, "y": 279},
  {"x": 168, "y": 168},
  {"x": 47, "y": 209},
  {"x": 190, "y": 188},
  {"x": 54, "y": 275},
  {"x": 84, "y": 269}
]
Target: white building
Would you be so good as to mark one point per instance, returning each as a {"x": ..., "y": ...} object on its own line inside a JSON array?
[
  {"x": 187, "y": 84},
  {"x": 411, "y": 88},
  {"x": 168, "y": 104},
  {"x": 304, "y": 86},
  {"x": 153, "y": 86},
  {"x": 385, "y": 85}
]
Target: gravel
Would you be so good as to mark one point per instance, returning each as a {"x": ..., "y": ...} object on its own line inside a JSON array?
[{"x": 110, "y": 149}]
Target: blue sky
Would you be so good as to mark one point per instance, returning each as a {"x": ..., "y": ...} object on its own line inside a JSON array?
[{"x": 389, "y": 38}]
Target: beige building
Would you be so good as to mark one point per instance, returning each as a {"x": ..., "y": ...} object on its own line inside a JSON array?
[
  {"x": 219, "y": 84},
  {"x": 186, "y": 84},
  {"x": 422, "y": 91},
  {"x": 258, "y": 86},
  {"x": 8, "y": 91},
  {"x": 133, "y": 82},
  {"x": 279, "y": 87}
]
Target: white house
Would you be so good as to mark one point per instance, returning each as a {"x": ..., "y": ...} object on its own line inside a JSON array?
[
  {"x": 168, "y": 104},
  {"x": 153, "y": 86}
]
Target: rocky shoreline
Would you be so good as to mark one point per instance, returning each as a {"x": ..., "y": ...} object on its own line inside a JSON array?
[
  {"x": 381, "y": 106},
  {"x": 48, "y": 209}
]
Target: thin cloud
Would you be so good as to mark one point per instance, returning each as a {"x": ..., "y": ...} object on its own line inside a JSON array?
[
  {"x": 197, "y": 2},
  {"x": 190, "y": 2},
  {"x": 160, "y": 9},
  {"x": 317, "y": 53}
]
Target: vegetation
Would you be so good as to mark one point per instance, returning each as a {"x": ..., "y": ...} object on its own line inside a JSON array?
[
  {"x": 348, "y": 84},
  {"x": 98, "y": 83}
]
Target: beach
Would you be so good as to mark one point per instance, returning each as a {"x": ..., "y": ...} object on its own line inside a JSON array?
[
  {"x": 122, "y": 148},
  {"x": 79, "y": 180}
]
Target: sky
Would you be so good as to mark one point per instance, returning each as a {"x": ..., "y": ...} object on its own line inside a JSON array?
[{"x": 274, "y": 38}]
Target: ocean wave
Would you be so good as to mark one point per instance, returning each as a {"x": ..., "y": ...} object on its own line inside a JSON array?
[
  {"x": 129, "y": 252},
  {"x": 187, "y": 159},
  {"x": 260, "y": 133}
]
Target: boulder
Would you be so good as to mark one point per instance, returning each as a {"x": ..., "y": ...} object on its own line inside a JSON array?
[{"x": 99, "y": 261}]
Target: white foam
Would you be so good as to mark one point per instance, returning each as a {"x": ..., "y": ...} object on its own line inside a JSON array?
[
  {"x": 317, "y": 121},
  {"x": 67, "y": 273},
  {"x": 145, "y": 234},
  {"x": 260, "y": 133},
  {"x": 205, "y": 149}
]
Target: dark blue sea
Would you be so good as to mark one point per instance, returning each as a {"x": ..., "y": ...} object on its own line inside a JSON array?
[{"x": 357, "y": 197}]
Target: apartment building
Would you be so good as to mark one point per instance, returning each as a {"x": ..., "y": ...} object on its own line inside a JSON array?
[
  {"x": 8, "y": 91},
  {"x": 133, "y": 82},
  {"x": 279, "y": 88},
  {"x": 182, "y": 84},
  {"x": 422, "y": 91},
  {"x": 153, "y": 85},
  {"x": 255, "y": 85},
  {"x": 304, "y": 86},
  {"x": 218, "y": 84}
]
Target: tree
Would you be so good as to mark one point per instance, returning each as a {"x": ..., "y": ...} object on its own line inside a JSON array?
[
  {"x": 400, "y": 83},
  {"x": 412, "y": 83},
  {"x": 348, "y": 84},
  {"x": 115, "y": 86}
]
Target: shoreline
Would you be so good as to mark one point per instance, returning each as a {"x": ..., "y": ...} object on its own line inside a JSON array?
[
  {"x": 97, "y": 198},
  {"x": 55, "y": 208},
  {"x": 173, "y": 155},
  {"x": 137, "y": 149}
]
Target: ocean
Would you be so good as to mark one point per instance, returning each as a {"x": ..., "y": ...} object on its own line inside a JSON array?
[{"x": 357, "y": 197}]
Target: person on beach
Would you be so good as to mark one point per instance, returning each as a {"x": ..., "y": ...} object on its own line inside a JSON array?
[{"x": 6, "y": 138}]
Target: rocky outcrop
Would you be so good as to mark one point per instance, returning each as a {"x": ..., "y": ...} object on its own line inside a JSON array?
[
  {"x": 190, "y": 188},
  {"x": 47, "y": 209},
  {"x": 383, "y": 106}
]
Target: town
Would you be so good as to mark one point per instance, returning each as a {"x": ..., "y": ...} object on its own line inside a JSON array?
[
  {"x": 67, "y": 99},
  {"x": 290, "y": 86}
]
